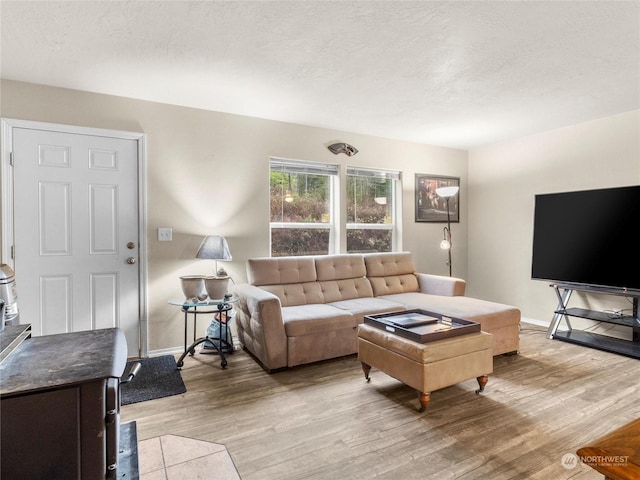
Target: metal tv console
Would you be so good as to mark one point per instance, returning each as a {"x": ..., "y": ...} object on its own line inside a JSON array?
[{"x": 628, "y": 348}]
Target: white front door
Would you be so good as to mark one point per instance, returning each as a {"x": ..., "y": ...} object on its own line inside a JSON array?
[{"x": 76, "y": 241}]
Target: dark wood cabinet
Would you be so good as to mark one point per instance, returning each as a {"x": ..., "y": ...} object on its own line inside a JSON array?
[{"x": 60, "y": 406}]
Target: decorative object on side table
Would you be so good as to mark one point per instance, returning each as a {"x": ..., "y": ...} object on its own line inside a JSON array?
[
  {"x": 193, "y": 287},
  {"x": 218, "y": 339},
  {"x": 217, "y": 286},
  {"x": 214, "y": 247}
]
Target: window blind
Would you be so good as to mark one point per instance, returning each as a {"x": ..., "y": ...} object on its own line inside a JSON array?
[
  {"x": 296, "y": 166},
  {"x": 368, "y": 172}
]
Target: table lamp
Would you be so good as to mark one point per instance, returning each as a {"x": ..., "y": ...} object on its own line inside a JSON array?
[{"x": 214, "y": 247}]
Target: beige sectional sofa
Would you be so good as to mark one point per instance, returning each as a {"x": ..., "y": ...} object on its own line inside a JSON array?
[{"x": 297, "y": 310}]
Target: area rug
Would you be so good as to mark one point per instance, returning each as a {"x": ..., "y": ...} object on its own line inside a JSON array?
[{"x": 159, "y": 377}]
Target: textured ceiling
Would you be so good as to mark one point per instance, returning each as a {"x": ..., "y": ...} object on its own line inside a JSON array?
[{"x": 459, "y": 74}]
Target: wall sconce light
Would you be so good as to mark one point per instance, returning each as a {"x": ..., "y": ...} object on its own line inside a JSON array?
[
  {"x": 345, "y": 148},
  {"x": 445, "y": 244}
]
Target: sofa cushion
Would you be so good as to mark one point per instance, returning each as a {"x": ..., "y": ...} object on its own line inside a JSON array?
[
  {"x": 292, "y": 294},
  {"x": 394, "y": 284},
  {"x": 334, "y": 291},
  {"x": 359, "y": 307},
  {"x": 391, "y": 273},
  {"x": 281, "y": 270},
  {"x": 315, "y": 318},
  {"x": 338, "y": 267},
  {"x": 389, "y": 263}
]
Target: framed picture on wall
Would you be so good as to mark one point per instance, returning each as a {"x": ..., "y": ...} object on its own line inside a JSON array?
[{"x": 430, "y": 207}]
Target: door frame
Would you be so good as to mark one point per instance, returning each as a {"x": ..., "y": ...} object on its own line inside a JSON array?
[{"x": 7, "y": 207}]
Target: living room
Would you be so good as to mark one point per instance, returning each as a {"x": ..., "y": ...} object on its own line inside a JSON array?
[{"x": 207, "y": 173}]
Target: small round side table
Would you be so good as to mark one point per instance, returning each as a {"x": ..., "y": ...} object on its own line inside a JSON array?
[{"x": 222, "y": 307}]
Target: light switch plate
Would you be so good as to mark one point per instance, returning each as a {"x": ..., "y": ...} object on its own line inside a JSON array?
[{"x": 165, "y": 234}]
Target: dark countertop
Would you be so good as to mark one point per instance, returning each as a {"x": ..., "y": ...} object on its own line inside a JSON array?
[
  {"x": 11, "y": 336},
  {"x": 53, "y": 361}
]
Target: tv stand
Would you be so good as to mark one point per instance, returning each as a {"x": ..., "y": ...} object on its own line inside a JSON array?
[{"x": 629, "y": 348}]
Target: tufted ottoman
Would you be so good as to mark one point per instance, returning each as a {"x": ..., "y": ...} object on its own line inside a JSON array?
[{"x": 426, "y": 366}]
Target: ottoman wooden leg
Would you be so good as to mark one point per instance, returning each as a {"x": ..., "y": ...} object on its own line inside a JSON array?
[
  {"x": 482, "y": 381},
  {"x": 424, "y": 400},
  {"x": 366, "y": 369}
]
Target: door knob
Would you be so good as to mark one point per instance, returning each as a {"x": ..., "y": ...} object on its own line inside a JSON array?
[{"x": 131, "y": 260}]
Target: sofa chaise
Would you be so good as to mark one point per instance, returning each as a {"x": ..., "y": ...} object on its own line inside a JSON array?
[{"x": 298, "y": 310}]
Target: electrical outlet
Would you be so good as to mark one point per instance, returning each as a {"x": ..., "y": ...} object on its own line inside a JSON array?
[{"x": 165, "y": 234}]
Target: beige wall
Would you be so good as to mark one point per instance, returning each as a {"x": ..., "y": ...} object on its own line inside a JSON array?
[
  {"x": 208, "y": 173},
  {"x": 503, "y": 181}
]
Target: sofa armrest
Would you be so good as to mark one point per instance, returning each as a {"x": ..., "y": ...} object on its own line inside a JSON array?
[
  {"x": 260, "y": 326},
  {"x": 440, "y": 285}
]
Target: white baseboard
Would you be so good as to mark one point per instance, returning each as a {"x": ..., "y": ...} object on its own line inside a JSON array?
[
  {"x": 535, "y": 321},
  {"x": 166, "y": 351},
  {"x": 179, "y": 350}
]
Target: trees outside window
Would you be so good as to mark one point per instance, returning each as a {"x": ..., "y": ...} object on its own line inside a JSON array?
[
  {"x": 371, "y": 212},
  {"x": 303, "y": 202},
  {"x": 301, "y": 208}
]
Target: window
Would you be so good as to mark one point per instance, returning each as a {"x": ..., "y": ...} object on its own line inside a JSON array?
[
  {"x": 371, "y": 214},
  {"x": 304, "y": 211},
  {"x": 301, "y": 210}
]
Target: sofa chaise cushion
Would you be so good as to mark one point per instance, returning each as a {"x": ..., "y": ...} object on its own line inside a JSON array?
[
  {"x": 468, "y": 308},
  {"x": 502, "y": 321}
]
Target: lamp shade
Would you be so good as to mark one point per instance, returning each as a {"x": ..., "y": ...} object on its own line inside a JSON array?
[
  {"x": 446, "y": 192},
  {"x": 214, "y": 247}
]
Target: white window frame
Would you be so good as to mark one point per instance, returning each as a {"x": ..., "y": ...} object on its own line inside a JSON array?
[
  {"x": 316, "y": 168},
  {"x": 396, "y": 210}
]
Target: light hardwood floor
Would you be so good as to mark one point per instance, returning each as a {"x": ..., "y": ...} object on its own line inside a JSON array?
[{"x": 324, "y": 421}]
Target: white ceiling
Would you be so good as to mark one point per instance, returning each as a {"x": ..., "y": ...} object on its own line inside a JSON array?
[{"x": 459, "y": 74}]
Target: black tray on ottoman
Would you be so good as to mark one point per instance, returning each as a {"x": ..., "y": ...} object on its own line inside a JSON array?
[{"x": 421, "y": 325}]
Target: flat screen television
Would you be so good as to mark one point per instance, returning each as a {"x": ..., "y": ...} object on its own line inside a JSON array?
[{"x": 588, "y": 239}]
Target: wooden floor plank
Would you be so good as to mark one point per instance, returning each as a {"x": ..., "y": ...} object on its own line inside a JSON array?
[{"x": 324, "y": 421}]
